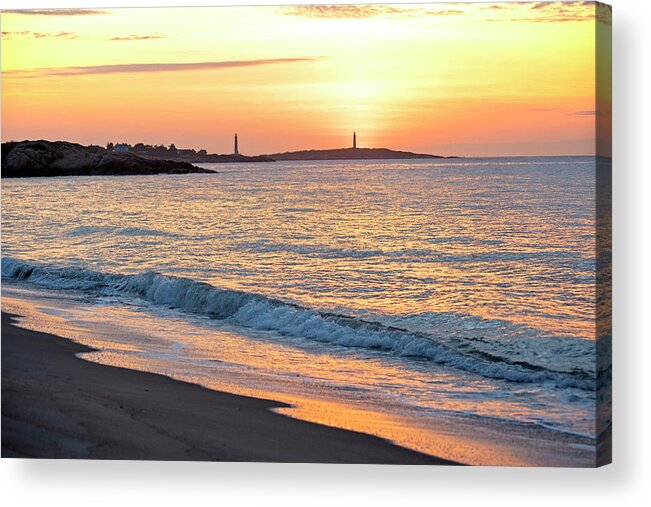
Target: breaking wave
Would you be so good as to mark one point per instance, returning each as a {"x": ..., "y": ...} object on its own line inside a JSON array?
[{"x": 260, "y": 312}]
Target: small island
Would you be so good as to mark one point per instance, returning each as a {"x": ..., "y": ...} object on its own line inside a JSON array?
[
  {"x": 350, "y": 154},
  {"x": 353, "y": 153},
  {"x": 25, "y": 159}
]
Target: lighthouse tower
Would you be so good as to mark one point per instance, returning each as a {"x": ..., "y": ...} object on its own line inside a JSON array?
[
  {"x": 235, "y": 150},
  {"x": 354, "y": 139}
]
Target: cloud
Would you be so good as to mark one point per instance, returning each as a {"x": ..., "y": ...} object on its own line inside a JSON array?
[
  {"x": 39, "y": 35},
  {"x": 590, "y": 112},
  {"x": 13, "y": 35},
  {"x": 361, "y": 11},
  {"x": 556, "y": 5},
  {"x": 550, "y": 19},
  {"x": 584, "y": 112},
  {"x": 550, "y": 12},
  {"x": 138, "y": 37},
  {"x": 128, "y": 68},
  {"x": 341, "y": 11},
  {"x": 448, "y": 12},
  {"x": 55, "y": 12}
]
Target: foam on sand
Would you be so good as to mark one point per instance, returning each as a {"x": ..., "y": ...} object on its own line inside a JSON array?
[{"x": 260, "y": 312}]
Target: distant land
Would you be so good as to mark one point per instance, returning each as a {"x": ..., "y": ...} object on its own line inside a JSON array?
[
  {"x": 171, "y": 152},
  {"x": 350, "y": 154},
  {"x": 26, "y": 159},
  {"x": 210, "y": 158},
  {"x": 161, "y": 152},
  {"x": 23, "y": 159}
]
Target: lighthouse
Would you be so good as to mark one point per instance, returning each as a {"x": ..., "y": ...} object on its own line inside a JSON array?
[
  {"x": 354, "y": 140},
  {"x": 235, "y": 150}
]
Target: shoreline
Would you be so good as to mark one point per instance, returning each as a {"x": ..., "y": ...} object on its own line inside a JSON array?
[
  {"x": 57, "y": 405},
  {"x": 455, "y": 437}
]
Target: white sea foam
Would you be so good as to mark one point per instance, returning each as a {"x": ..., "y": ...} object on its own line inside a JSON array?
[{"x": 262, "y": 313}]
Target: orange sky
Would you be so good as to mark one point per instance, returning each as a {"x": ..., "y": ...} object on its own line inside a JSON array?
[{"x": 452, "y": 79}]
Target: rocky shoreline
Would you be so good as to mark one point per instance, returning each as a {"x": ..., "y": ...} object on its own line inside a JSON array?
[{"x": 25, "y": 159}]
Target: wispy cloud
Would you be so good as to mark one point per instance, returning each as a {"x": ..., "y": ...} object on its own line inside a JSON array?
[
  {"x": 549, "y": 12},
  {"x": 55, "y": 12},
  {"x": 556, "y": 5},
  {"x": 147, "y": 67},
  {"x": 446, "y": 12},
  {"x": 564, "y": 112},
  {"x": 13, "y": 35},
  {"x": 590, "y": 112},
  {"x": 38, "y": 35},
  {"x": 551, "y": 19},
  {"x": 362, "y": 11},
  {"x": 341, "y": 11},
  {"x": 139, "y": 37}
]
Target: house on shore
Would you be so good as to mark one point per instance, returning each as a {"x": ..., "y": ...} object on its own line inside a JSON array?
[{"x": 121, "y": 148}]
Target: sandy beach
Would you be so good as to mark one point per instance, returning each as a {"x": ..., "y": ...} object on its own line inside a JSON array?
[{"x": 55, "y": 405}]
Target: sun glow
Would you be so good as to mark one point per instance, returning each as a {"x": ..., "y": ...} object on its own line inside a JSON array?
[{"x": 466, "y": 79}]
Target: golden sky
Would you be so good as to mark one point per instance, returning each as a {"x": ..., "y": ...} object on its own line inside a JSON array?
[{"x": 452, "y": 79}]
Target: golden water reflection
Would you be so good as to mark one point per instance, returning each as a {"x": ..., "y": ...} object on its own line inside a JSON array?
[{"x": 315, "y": 385}]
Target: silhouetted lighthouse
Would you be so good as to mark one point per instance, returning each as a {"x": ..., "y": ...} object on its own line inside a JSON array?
[
  {"x": 235, "y": 150},
  {"x": 354, "y": 139}
]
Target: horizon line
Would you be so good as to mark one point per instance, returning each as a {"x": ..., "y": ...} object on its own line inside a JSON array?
[{"x": 326, "y": 149}]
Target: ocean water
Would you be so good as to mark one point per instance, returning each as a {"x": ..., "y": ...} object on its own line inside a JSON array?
[{"x": 401, "y": 291}]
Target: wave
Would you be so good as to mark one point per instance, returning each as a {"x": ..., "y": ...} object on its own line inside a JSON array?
[
  {"x": 260, "y": 312},
  {"x": 89, "y": 230},
  {"x": 425, "y": 255}
]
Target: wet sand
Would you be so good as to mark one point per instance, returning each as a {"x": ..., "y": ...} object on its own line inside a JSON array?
[{"x": 55, "y": 405}]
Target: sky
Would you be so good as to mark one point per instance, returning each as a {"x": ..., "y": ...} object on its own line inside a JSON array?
[{"x": 483, "y": 79}]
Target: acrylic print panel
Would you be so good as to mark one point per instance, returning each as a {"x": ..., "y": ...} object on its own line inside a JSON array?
[{"x": 343, "y": 234}]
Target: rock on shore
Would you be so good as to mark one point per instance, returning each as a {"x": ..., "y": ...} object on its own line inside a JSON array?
[{"x": 60, "y": 158}]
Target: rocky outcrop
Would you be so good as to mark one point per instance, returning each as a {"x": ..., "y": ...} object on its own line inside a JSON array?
[{"x": 26, "y": 159}]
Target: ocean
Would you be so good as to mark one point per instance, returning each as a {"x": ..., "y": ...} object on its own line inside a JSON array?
[{"x": 447, "y": 305}]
